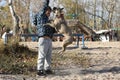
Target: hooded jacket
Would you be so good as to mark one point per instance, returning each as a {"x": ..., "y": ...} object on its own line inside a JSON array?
[{"x": 40, "y": 19}]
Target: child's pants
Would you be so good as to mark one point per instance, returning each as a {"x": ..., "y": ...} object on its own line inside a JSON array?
[{"x": 44, "y": 53}]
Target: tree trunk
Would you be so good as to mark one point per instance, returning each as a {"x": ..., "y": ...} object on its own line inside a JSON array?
[
  {"x": 102, "y": 15},
  {"x": 95, "y": 27},
  {"x": 15, "y": 18}
]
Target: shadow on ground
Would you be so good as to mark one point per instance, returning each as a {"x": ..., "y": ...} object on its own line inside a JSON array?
[{"x": 104, "y": 70}]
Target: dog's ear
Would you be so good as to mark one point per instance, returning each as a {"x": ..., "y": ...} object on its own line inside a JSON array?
[
  {"x": 54, "y": 8},
  {"x": 61, "y": 8}
]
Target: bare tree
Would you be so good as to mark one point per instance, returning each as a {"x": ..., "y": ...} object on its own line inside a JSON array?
[
  {"x": 15, "y": 18},
  {"x": 35, "y": 5},
  {"x": 110, "y": 7}
]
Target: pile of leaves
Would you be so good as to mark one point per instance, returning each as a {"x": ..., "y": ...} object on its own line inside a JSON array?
[{"x": 16, "y": 59}]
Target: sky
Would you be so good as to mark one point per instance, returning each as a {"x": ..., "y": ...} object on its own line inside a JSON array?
[
  {"x": 2, "y": 2},
  {"x": 52, "y": 3}
]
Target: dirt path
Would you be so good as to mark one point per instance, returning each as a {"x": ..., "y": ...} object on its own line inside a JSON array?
[
  {"x": 104, "y": 58},
  {"x": 104, "y": 61}
]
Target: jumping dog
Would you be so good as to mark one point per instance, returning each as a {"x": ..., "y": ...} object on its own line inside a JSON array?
[{"x": 60, "y": 24}]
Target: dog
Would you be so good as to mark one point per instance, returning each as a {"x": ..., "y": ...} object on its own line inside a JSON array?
[{"x": 60, "y": 24}]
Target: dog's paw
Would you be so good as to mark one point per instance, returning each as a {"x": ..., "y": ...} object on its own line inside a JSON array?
[{"x": 60, "y": 52}]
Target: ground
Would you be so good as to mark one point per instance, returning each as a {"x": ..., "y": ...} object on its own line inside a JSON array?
[{"x": 103, "y": 63}]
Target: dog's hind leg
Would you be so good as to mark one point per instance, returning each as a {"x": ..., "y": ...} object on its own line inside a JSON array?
[{"x": 66, "y": 42}]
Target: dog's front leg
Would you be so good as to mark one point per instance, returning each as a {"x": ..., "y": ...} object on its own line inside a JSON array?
[
  {"x": 48, "y": 24},
  {"x": 51, "y": 25}
]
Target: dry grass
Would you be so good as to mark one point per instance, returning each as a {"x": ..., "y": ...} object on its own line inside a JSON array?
[
  {"x": 16, "y": 59},
  {"x": 19, "y": 59},
  {"x": 71, "y": 59}
]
